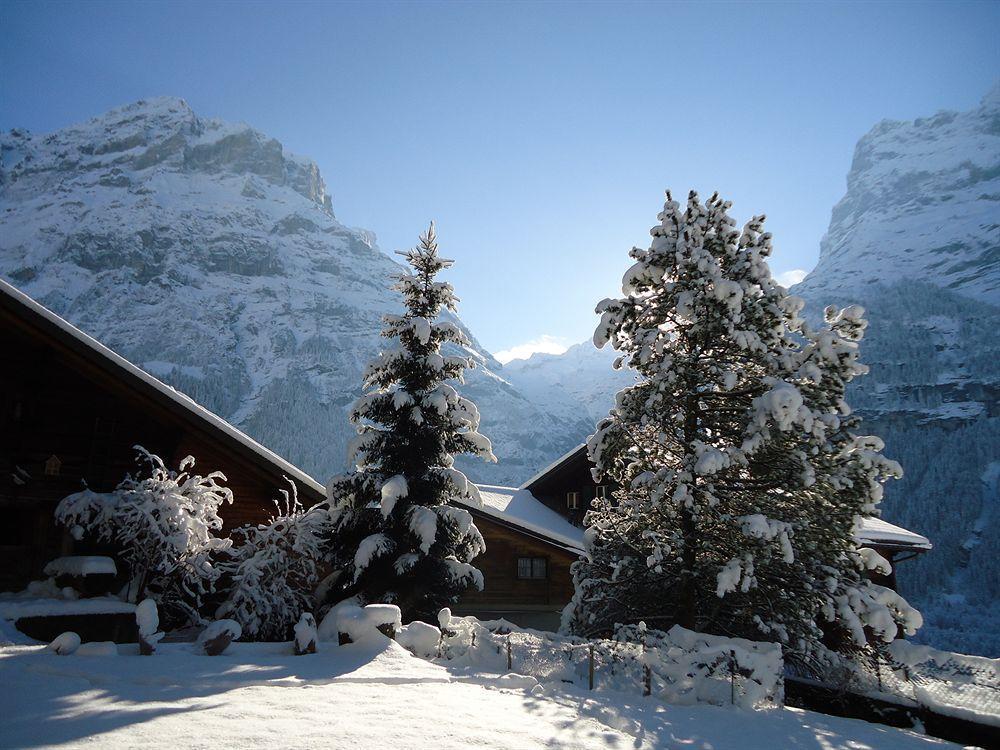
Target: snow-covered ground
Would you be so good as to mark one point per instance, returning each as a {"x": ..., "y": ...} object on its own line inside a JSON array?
[{"x": 362, "y": 696}]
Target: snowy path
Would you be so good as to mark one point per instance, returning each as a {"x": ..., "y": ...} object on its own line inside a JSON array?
[{"x": 359, "y": 697}]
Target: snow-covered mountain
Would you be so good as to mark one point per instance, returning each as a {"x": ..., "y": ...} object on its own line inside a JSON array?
[
  {"x": 210, "y": 256},
  {"x": 580, "y": 381},
  {"x": 922, "y": 203}
]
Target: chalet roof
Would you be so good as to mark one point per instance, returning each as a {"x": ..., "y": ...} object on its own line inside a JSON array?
[
  {"x": 558, "y": 463},
  {"x": 876, "y": 531},
  {"x": 873, "y": 531},
  {"x": 25, "y": 307},
  {"x": 520, "y": 508}
]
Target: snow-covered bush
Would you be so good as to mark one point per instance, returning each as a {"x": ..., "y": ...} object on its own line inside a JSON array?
[
  {"x": 741, "y": 479},
  {"x": 273, "y": 569},
  {"x": 399, "y": 538},
  {"x": 679, "y": 666},
  {"x": 419, "y": 638},
  {"x": 357, "y": 624},
  {"x": 164, "y": 521},
  {"x": 694, "y": 667}
]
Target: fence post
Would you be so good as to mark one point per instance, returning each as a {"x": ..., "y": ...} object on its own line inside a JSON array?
[
  {"x": 508, "y": 653},
  {"x": 647, "y": 673},
  {"x": 590, "y": 668},
  {"x": 732, "y": 677}
]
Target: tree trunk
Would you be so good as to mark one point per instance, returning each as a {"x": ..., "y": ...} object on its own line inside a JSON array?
[{"x": 687, "y": 617}]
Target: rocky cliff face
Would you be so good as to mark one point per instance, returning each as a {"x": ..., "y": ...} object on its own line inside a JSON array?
[
  {"x": 916, "y": 240},
  {"x": 210, "y": 256},
  {"x": 922, "y": 203}
]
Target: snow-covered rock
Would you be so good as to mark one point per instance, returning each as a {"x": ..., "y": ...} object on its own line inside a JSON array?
[
  {"x": 420, "y": 639},
  {"x": 208, "y": 255},
  {"x": 65, "y": 644}
]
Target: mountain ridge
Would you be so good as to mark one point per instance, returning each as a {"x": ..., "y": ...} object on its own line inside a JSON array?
[{"x": 211, "y": 257}]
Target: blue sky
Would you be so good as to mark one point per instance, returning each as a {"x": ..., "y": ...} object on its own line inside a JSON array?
[{"x": 539, "y": 136}]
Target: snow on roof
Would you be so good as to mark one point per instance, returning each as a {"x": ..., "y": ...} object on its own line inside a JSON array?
[
  {"x": 558, "y": 462},
  {"x": 177, "y": 397},
  {"x": 876, "y": 531},
  {"x": 520, "y": 508}
]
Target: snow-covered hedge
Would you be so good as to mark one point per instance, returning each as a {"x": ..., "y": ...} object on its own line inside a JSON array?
[{"x": 683, "y": 667}]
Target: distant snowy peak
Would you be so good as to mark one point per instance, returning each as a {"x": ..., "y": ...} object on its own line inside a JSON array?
[
  {"x": 154, "y": 134},
  {"x": 923, "y": 203},
  {"x": 579, "y": 381}
]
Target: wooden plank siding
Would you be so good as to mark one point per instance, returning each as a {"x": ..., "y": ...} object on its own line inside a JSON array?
[{"x": 503, "y": 589}]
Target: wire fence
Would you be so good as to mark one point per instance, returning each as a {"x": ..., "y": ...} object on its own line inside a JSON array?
[
  {"x": 678, "y": 667},
  {"x": 940, "y": 681}
]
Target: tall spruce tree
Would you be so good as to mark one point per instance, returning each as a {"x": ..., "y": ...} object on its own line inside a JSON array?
[
  {"x": 397, "y": 537},
  {"x": 741, "y": 479}
]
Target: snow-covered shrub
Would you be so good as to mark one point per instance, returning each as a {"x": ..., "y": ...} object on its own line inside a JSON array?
[
  {"x": 147, "y": 620},
  {"x": 65, "y": 644},
  {"x": 399, "y": 537},
  {"x": 741, "y": 478},
  {"x": 216, "y": 638},
  {"x": 680, "y": 666},
  {"x": 306, "y": 634},
  {"x": 273, "y": 568},
  {"x": 419, "y": 638},
  {"x": 164, "y": 521},
  {"x": 327, "y": 630}
]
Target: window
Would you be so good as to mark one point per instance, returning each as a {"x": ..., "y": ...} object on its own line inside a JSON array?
[
  {"x": 573, "y": 500},
  {"x": 602, "y": 491},
  {"x": 53, "y": 466},
  {"x": 533, "y": 568}
]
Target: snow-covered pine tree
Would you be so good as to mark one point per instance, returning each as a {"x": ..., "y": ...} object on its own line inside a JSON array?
[
  {"x": 164, "y": 522},
  {"x": 273, "y": 569},
  {"x": 742, "y": 481},
  {"x": 397, "y": 537}
]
